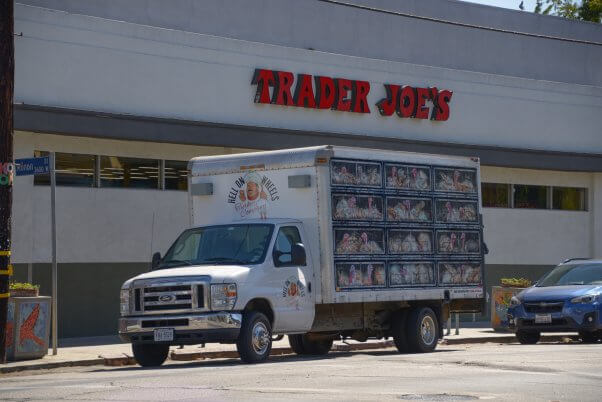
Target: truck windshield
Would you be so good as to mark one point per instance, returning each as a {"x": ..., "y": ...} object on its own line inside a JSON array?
[
  {"x": 227, "y": 244},
  {"x": 573, "y": 274}
]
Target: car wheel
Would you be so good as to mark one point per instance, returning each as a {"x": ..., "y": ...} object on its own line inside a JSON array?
[
  {"x": 296, "y": 342},
  {"x": 150, "y": 354},
  {"x": 398, "y": 327},
  {"x": 422, "y": 330},
  {"x": 316, "y": 348},
  {"x": 528, "y": 337},
  {"x": 255, "y": 339},
  {"x": 589, "y": 337}
]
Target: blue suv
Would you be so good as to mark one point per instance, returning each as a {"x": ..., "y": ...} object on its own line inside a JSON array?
[{"x": 567, "y": 299}]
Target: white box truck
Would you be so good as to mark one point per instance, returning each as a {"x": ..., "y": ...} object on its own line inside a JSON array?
[{"x": 319, "y": 243}]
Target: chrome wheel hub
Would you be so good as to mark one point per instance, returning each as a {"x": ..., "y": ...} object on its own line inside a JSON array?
[
  {"x": 260, "y": 338},
  {"x": 427, "y": 330}
]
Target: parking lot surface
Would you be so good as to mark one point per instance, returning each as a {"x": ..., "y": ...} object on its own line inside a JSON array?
[{"x": 546, "y": 372}]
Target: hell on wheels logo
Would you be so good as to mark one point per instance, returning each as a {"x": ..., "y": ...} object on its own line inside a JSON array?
[
  {"x": 251, "y": 194},
  {"x": 293, "y": 291}
]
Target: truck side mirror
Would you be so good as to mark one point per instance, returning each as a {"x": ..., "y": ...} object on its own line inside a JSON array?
[
  {"x": 156, "y": 261},
  {"x": 298, "y": 256}
]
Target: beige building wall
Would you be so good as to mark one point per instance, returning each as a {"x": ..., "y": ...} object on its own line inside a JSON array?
[{"x": 541, "y": 236}]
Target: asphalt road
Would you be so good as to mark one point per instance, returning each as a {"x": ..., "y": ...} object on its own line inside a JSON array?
[{"x": 547, "y": 372}]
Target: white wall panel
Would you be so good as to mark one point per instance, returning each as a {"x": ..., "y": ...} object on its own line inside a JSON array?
[{"x": 80, "y": 62}]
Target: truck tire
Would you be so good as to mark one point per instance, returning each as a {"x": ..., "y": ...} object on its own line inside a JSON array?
[
  {"x": 296, "y": 342},
  {"x": 150, "y": 354},
  {"x": 255, "y": 339},
  {"x": 316, "y": 348},
  {"x": 589, "y": 337},
  {"x": 422, "y": 330},
  {"x": 528, "y": 337},
  {"x": 398, "y": 327}
]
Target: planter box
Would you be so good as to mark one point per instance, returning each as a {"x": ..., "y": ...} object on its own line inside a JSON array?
[
  {"x": 28, "y": 327},
  {"x": 500, "y": 301}
]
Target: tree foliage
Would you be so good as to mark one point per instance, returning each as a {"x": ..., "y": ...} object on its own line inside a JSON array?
[{"x": 586, "y": 10}]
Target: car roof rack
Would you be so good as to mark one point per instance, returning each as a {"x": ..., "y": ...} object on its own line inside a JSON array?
[{"x": 575, "y": 259}]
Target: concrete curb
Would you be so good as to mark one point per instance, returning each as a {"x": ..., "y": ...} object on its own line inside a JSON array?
[
  {"x": 507, "y": 339},
  {"x": 127, "y": 360}
]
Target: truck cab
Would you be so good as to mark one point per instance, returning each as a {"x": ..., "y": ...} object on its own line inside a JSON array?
[{"x": 219, "y": 272}]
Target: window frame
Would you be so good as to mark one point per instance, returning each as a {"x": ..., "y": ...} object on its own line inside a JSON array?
[{"x": 278, "y": 264}]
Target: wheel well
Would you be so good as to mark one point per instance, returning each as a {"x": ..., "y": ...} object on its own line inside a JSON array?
[{"x": 263, "y": 306}]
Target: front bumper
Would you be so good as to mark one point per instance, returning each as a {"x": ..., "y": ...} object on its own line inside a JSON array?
[
  {"x": 571, "y": 319},
  {"x": 188, "y": 329}
]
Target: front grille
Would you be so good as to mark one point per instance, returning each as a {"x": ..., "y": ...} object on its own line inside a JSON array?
[
  {"x": 162, "y": 298},
  {"x": 544, "y": 307},
  {"x": 175, "y": 297}
]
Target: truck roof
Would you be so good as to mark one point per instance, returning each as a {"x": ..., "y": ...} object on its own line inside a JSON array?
[
  {"x": 310, "y": 156},
  {"x": 277, "y": 221}
]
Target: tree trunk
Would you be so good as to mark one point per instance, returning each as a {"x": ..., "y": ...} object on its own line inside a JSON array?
[{"x": 7, "y": 75}]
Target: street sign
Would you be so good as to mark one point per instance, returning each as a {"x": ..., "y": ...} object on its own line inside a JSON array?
[{"x": 32, "y": 166}]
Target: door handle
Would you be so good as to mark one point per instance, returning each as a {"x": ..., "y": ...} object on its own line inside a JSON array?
[{"x": 309, "y": 287}]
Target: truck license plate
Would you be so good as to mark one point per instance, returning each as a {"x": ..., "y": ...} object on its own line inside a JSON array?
[
  {"x": 163, "y": 334},
  {"x": 543, "y": 318}
]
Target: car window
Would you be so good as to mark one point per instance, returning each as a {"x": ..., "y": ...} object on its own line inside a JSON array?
[
  {"x": 287, "y": 236},
  {"x": 573, "y": 274}
]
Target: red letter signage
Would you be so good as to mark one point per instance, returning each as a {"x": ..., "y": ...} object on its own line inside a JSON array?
[{"x": 345, "y": 95}]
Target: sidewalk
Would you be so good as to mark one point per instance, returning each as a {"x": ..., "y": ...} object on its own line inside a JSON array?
[{"x": 110, "y": 351}]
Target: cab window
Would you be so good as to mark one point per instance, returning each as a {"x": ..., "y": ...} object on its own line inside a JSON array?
[{"x": 287, "y": 236}]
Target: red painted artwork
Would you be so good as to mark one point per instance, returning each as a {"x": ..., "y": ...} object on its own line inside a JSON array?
[{"x": 28, "y": 326}]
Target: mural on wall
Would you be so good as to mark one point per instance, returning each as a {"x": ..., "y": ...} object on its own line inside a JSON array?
[
  {"x": 452, "y": 211},
  {"x": 501, "y": 301},
  {"x": 357, "y": 207},
  {"x": 356, "y": 174},
  {"x": 360, "y": 274},
  {"x": 407, "y": 209},
  {"x": 10, "y": 329},
  {"x": 409, "y": 242},
  {"x": 408, "y": 177},
  {"x": 411, "y": 273},
  {"x": 456, "y": 180},
  {"x": 359, "y": 241},
  {"x": 32, "y": 321}
]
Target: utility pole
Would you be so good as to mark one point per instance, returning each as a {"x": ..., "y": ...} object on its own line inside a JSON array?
[{"x": 7, "y": 75}]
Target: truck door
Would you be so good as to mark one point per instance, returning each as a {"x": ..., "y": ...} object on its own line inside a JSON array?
[{"x": 294, "y": 301}]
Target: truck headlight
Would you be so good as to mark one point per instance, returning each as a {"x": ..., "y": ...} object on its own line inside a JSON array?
[
  {"x": 585, "y": 299},
  {"x": 515, "y": 301},
  {"x": 124, "y": 297},
  {"x": 223, "y": 296}
]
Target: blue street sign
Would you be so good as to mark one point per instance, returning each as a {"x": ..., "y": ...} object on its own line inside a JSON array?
[{"x": 29, "y": 166}]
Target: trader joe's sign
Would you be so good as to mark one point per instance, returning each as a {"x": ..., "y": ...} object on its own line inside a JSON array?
[{"x": 345, "y": 95}]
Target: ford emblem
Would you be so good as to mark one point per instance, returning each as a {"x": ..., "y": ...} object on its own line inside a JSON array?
[{"x": 167, "y": 298}]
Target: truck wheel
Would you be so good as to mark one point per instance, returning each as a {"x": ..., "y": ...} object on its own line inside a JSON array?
[
  {"x": 527, "y": 337},
  {"x": 422, "y": 330},
  {"x": 398, "y": 326},
  {"x": 150, "y": 354},
  {"x": 296, "y": 342},
  {"x": 255, "y": 339},
  {"x": 589, "y": 337},
  {"x": 316, "y": 348}
]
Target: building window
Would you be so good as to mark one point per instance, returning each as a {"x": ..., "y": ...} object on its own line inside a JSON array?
[
  {"x": 530, "y": 196},
  {"x": 495, "y": 195},
  {"x": 71, "y": 170},
  {"x": 116, "y": 171},
  {"x": 176, "y": 175},
  {"x": 569, "y": 198}
]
